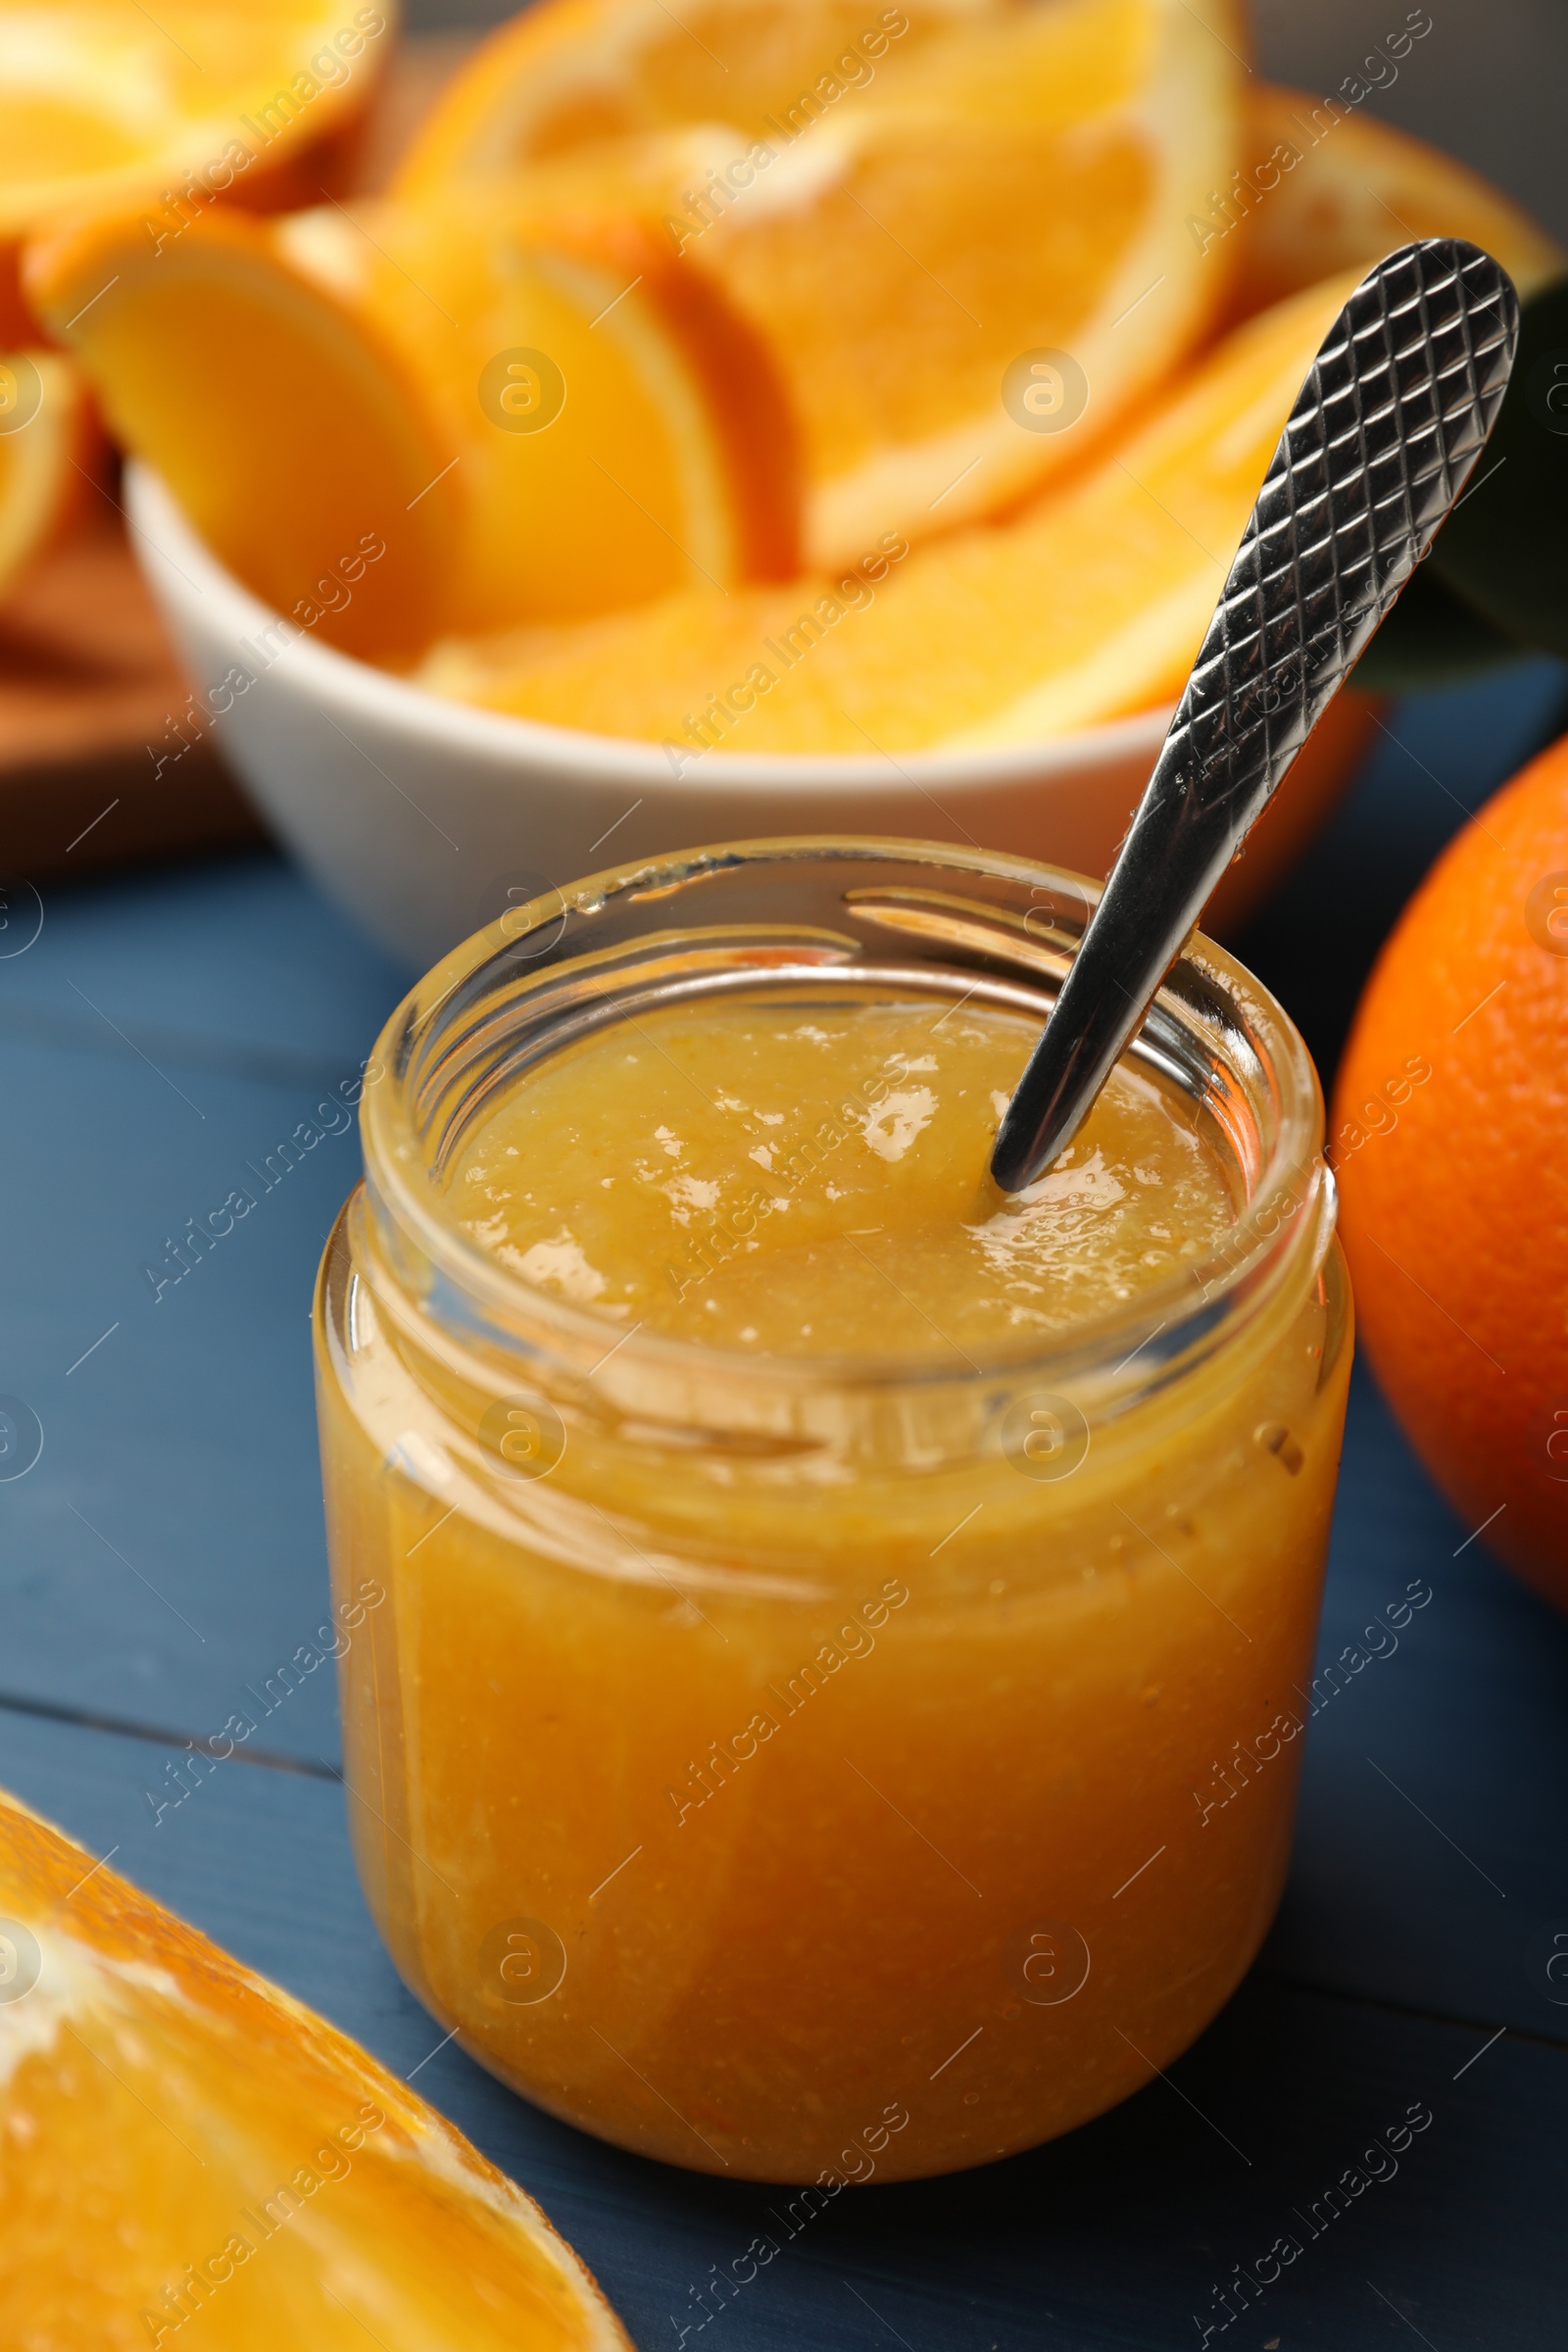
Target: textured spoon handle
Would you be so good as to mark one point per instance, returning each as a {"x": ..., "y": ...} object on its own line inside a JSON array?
[{"x": 1379, "y": 445}]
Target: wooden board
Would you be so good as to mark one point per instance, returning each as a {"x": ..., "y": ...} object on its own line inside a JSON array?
[{"x": 88, "y": 689}]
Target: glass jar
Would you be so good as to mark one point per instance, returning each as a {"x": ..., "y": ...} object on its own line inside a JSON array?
[{"x": 812, "y": 1769}]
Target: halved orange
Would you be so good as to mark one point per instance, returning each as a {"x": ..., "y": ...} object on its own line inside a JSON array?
[
  {"x": 104, "y": 103},
  {"x": 185, "y": 2144},
  {"x": 397, "y": 420},
  {"x": 1090, "y": 603},
  {"x": 46, "y": 437},
  {"x": 1323, "y": 190},
  {"x": 963, "y": 242}
]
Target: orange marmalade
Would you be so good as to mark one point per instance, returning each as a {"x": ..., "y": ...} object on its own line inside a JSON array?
[{"x": 836, "y": 1712}]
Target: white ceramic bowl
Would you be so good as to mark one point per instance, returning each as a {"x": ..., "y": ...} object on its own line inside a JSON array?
[{"x": 419, "y": 816}]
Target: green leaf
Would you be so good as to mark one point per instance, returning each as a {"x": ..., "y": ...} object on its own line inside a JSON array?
[
  {"x": 1431, "y": 638},
  {"x": 1504, "y": 549}
]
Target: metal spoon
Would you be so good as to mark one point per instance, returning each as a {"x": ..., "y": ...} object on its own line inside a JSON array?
[{"x": 1379, "y": 446}]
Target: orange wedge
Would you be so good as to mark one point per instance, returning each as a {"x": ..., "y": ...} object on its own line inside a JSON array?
[
  {"x": 292, "y": 434},
  {"x": 669, "y": 457},
  {"x": 186, "y": 2145},
  {"x": 1323, "y": 190},
  {"x": 45, "y": 440},
  {"x": 104, "y": 103},
  {"x": 1090, "y": 603},
  {"x": 963, "y": 241},
  {"x": 401, "y": 420}
]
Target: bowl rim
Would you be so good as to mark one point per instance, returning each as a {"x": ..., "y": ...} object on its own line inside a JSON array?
[{"x": 187, "y": 579}]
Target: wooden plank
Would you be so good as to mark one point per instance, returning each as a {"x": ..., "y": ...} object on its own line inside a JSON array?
[
  {"x": 1115, "y": 2237},
  {"x": 1429, "y": 1864},
  {"x": 166, "y": 1549},
  {"x": 157, "y": 1037},
  {"x": 187, "y": 1439},
  {"x": 238, "y": 967}
]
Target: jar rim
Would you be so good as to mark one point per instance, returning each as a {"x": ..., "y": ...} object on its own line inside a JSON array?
[{"x": 1212, "y": 1022}]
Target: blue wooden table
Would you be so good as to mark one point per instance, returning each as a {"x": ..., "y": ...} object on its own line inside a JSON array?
[{"x": 165, "y": 1553}]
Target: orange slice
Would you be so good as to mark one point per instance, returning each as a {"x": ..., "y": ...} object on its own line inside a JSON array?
[
  {"x": 183, "y": 2142},
  {"x": 568, "y": 75},
  {"x": 293, "y": 436},
  {"x": 396, "y": 422},
  {"x": 1324, "y": 189},
  {"x": 663, "y": 452},
  {"x": 104, "y": 103},
  {"x": 1091, "y": 603},
  {"x": 963, "y": 242},
  {"x": 45, "y": 439}
]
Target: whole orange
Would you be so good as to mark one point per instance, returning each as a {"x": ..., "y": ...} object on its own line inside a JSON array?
[{"x": 1451, "y": 1143}]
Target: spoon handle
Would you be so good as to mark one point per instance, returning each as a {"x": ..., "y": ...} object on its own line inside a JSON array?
[{"x": 1381, "y": 441}]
